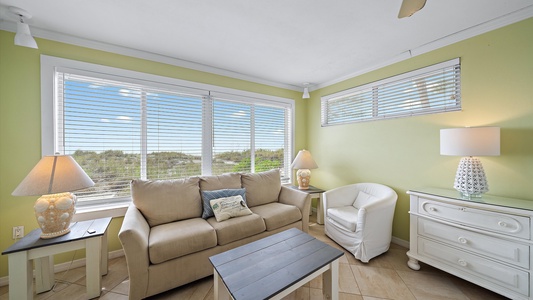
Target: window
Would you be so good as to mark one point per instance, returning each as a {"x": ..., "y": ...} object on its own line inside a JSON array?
[
  {"x": 120, "y": 125},
  {"x": 434, "y": 89}
]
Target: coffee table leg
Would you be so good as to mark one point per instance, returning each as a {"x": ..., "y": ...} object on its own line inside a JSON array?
[
  {"x": 330, "y": 281},
  {"x": 220, "y": 290}
]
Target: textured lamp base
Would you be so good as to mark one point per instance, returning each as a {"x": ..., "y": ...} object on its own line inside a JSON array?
[
  {"x": 304, "y": 176},
  {"x": 54, "y": 213},
  {"x": 470, "y": 179}
]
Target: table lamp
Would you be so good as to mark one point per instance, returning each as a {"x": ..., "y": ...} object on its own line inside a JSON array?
[
  {"x": 304, "y": 162},
  {"x": 54, "y": 177},
  {"x": 470, "y": 179}
]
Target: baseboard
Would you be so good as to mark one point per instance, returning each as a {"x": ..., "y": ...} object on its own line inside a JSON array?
[
  {"x": 400, "y": 242},
  {"x": 66, "y": 265}
]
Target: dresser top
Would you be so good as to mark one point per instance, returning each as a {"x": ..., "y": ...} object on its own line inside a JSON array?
[{"x": 485, "y": 199}]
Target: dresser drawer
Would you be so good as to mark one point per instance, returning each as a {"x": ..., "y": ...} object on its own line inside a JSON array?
[
  {"x": 506, "y": 224},
  {"x": 496, "y": 248},
  {"x": 499, "y": 274}
]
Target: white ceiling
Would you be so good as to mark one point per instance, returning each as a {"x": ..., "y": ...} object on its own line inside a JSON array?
[{"x": 278, "y": 42}]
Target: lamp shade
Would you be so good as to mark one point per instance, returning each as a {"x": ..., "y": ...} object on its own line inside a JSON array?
[
  {"x": 470, "y": 141},
  {"x": 53, "y": 174},
  {"x": 23, "y": 36},
  {"x": 304, "y": 160}
]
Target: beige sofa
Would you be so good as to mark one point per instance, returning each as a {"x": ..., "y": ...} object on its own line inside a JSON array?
[{"x": 166, "y": 241}]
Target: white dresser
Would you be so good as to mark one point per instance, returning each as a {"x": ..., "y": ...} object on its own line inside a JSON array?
[{"x": 486, "y": 241}]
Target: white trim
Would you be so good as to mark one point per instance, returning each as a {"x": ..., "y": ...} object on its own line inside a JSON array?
[
  {"x": 400, "y": 242},
  {"x": 473, "y": 31},
  {"x": 67, "y": 265},
  {"x": 499, "y": 22}
]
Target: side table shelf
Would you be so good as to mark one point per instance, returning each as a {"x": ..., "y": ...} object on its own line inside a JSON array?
[{"x": 41, "y": 251}]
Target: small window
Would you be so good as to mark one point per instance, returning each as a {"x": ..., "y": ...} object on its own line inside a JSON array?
[{"x": 430, "y": 90}]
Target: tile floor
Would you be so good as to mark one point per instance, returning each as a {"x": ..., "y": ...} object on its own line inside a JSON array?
[{"x": 384, "y": 277}]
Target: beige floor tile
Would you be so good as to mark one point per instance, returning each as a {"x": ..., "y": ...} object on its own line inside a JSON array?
[
  {"x": 381, "y": 282},
  {"x": 475, "y": 292},
  {"x": 431, "y": 286},
  {"x": 122, "y": 288},
  {"x": 345, "y": 296},
  {"x": 347, "y": 283},
  {"x": 202, "y": 288},
  {"x": 315, "y": 294},
  {"x": 316, "y": 283},
  {"x": 300, "y": 294},
  {"x": 373, "y": 298},
  {"x": 113, "y": 296}
]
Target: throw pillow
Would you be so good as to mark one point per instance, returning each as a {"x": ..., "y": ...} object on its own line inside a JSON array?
[
  {"x": 362, "y": 199},
  {"x": 207, "y": 196},
  {"x": 230, "y": 207}
]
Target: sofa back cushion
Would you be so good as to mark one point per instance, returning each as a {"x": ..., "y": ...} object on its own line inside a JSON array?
[
  {"x": 262, "y": 188},
  {"x": 165, "y": 201},
  {"x": 219, "y": 182}
]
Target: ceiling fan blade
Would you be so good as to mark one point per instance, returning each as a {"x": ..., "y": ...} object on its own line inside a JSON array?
[{"x": 409, "y": 7}]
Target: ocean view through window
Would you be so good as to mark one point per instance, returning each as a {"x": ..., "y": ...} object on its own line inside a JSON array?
[{"x": 120, "y": 125}]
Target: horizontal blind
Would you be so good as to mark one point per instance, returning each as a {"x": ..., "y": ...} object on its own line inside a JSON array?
[
  {"x": 232, "y": 134},
  {"x": 99, "y": 125},
  {"x": 434, "y": 89},
  {"x": 173, "y": 134},
  {"x": 271, "y": 136}
]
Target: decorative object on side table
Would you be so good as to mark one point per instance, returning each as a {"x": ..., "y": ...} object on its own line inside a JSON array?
[
  {"x": 470, "y": 179},
  {"x": 304, "y": 162},
  {"x": 54, "y": 177}
]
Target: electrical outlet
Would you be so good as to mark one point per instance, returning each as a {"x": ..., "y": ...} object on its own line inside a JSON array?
[{"x": 18, "y": 232}]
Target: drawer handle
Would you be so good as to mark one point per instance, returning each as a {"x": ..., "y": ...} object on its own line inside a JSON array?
[
  {"x": 502, "y": 224},
  {"x": 462, "y": 240},
  {"x": 432, "y": 208},
  {"x": 463, "y": 262}
]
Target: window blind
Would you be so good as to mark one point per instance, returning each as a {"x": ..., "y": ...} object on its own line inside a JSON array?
[
  {"x": 433, "y": 89},
  {"x": 120, "y": 128}
]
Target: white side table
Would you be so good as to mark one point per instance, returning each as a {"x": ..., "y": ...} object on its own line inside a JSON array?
[
  {"x": 32, "y": 247},
  {"x": 315, "y": 193}
]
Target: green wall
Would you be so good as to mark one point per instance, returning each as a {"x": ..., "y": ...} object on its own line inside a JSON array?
[
  {"x": 20, "y": 121},
  {"x": 497, "y": 90}
]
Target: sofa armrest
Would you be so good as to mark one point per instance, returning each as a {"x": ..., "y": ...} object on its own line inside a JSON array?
[
  {"x": 133, "y": 236},
  {"x": 299, "y": 199}
]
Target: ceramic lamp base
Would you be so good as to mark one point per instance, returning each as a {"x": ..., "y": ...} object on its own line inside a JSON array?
[
  {"x": 303, "y": 176},
  {"x": 54, "y": 213},
  {"x": 470, "y": 179}
]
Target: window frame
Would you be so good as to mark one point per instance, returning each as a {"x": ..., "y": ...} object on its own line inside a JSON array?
[
  {"x": 374, "y": 89},
  {"x": 49, "y": 66}
]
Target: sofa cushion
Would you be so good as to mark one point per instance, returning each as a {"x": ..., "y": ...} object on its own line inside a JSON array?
[
  {"x": 229, "y": 207},
  {"x": 277, "y": 215},
  {"x": 261, "y": 188},
  {"x": 207, "y": 196},
  {"x": 173, "y": 240},
  {"x": 344, "y": 216},
  {"x": 219, "y": 182},
  {"x": 165, "y": 201},
  {"x": 237, "y": 228}
]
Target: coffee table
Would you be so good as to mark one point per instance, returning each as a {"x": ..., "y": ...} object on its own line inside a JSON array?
[{"x": 275, "y": 266}]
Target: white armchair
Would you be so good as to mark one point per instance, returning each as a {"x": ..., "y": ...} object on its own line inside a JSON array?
[{"x": 360, "y": 222}]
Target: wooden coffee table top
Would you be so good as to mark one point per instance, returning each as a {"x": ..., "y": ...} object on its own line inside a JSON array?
[{"x": 266, "y": 267}]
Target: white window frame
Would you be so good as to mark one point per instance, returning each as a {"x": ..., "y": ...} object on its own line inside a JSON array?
[
  {"x": 50, "y": 64},
  {"x": 374, "y": 88}
]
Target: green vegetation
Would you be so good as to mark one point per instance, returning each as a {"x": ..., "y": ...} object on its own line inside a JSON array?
[{"x": 112, "y": 170}]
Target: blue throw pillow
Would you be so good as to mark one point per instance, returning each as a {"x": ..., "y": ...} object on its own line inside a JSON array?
[{"x": 211, "y": 195}]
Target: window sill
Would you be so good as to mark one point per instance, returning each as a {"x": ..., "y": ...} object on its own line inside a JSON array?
[{"x": 103, "y": 211}]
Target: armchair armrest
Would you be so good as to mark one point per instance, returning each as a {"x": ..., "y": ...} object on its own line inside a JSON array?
[
  {"x": 133, "y": 236},
  {"x": 299, "y": 199}
]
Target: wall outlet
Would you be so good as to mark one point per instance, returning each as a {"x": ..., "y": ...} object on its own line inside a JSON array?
[{"x": 18, "y": 232}]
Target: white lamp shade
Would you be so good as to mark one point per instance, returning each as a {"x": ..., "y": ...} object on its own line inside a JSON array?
[
  {"x": 23, "y": 36},
  {"x": 304, "y": 160},
  {"x": 470, "y": 141},
  {"x": 53, "y": 174}
]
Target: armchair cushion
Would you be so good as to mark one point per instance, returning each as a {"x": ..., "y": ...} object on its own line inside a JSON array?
[
  {"x": 165, "y": 201},
  {"x": 344, "y": 216},
  {"x": 172, "y": 240},
  {"x": 362, "y": 199},
  {"x": 277, "y": 215},
  {"x": 262, "y": 188}
]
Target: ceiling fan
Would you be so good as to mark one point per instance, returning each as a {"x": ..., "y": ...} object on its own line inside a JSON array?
[{"x": 409, "y": 7}]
